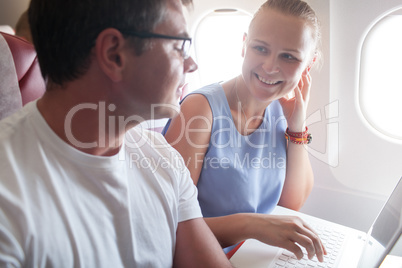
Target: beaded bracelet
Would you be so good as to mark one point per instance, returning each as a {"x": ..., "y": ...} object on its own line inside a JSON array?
[{"x": 299, "y": 137}]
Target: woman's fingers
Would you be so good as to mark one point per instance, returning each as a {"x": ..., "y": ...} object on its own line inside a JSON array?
[
  {"x": 305, "y": 90},
  {"x": 294, "y": 234},
  {"x": 310, "y": 240}
]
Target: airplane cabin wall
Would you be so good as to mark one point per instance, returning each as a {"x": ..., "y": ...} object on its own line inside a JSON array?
[
  {"x": 10, "y": 11},
  {"x": 362, "y": 165}
]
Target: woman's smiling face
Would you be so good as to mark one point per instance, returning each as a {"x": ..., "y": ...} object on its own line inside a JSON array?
[{"x": 276, "y": 51}]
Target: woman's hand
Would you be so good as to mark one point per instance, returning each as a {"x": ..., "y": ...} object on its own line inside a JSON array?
[
  {"x": 295, "y": 108},
  {"x": 289, "y": 232}
]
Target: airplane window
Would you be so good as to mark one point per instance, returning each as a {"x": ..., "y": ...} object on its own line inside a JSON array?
[
  {"x": 380, "y": 78},
  {"x": 218, "y": 43}
]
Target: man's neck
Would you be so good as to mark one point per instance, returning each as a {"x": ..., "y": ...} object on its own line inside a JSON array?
[{"x": 87, "y": 124}]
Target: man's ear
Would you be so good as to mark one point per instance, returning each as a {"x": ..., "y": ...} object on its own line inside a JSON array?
[{"x": 110, "y": 54}]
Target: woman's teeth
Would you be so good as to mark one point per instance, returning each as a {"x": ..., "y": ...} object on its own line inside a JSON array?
[{"x": 267, "y": 81}]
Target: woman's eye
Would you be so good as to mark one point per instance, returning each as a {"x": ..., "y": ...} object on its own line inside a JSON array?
[
  {"x": 260, "y": 49},
  {"x": 289, "y": 57}
]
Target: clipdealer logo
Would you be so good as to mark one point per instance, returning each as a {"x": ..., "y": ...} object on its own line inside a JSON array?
[
  {"x": 330, "y": 154},
  {"x": 108, "y": 125}
]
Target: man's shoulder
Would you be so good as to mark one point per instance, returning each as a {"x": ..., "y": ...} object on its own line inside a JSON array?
[
  {"x": 142, "y": 136},
  {"x": 153, "y": 145},
  {"x": 149, "y": 141}
]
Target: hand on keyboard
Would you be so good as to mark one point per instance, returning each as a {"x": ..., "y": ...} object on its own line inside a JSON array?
[{"x": 289, "y": 232}]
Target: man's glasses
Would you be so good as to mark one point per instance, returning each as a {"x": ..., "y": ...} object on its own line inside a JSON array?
[{"x": 185, "y": 47}]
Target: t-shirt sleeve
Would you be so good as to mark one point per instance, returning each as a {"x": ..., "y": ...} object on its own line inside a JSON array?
[
  {"x": 189, "y": 207},
  {"x": 186, "y": 191}
]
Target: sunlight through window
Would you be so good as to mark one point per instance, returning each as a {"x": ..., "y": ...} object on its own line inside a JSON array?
[
  {"x": 218, "y": 45},
  {"x": 380, "y": 78}
]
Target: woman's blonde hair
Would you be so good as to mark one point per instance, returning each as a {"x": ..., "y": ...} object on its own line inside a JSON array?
[{"x": 299, "y": 9}]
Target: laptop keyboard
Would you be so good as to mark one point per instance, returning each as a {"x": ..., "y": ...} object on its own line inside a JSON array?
[{"x": 332, "y": 240}]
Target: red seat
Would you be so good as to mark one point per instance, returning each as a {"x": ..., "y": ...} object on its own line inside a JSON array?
[{"x": 32, "y": 85}]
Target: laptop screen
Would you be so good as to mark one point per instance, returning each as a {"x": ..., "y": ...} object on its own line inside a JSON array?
[{"x": 385, "y": 231}]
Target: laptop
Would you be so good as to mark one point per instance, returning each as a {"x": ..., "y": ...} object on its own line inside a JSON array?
[{"x": 346, "y": 247}]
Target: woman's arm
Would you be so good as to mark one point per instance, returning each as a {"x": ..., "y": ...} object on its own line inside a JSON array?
[
  {"x": 299, "y": 175},
  {"x": 299, "y": 178},
  {"x": 280, "y": 231},
  {"x": 189, "y": 132}
]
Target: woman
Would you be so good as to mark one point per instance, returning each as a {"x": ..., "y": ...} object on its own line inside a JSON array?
[{"x": 243, "y": 139}]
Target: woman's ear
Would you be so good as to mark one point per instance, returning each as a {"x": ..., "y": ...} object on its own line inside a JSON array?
[
  {"x": 109, "y": 49},
  {"x": 308, "y": 68},
  {"x": 243, "y": 50}
]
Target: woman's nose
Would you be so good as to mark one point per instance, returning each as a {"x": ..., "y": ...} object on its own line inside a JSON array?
[{"x": 270, "y": 65}]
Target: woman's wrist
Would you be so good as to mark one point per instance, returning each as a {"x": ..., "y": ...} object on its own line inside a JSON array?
[
  {"x": 256, "y": 225},
  {"x": 302, "y": 137},
  {"x": 296, "y": 128}
]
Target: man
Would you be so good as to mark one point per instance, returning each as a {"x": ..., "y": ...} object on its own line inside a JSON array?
[{"x": 77, "y": 189}]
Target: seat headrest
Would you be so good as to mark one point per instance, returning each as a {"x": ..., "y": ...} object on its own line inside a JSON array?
[
  {"x": 10, "y": 95},
  {"x": 31, "y": 82}
]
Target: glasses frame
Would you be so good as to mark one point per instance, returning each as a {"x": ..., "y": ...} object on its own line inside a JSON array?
[{"x": 185, "y": 47}]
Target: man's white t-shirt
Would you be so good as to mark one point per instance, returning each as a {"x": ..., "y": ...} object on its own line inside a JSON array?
[{"x": 60, "y": 207}]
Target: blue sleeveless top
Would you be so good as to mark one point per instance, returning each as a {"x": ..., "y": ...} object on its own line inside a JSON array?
[{"x": 241, "y": 173}]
